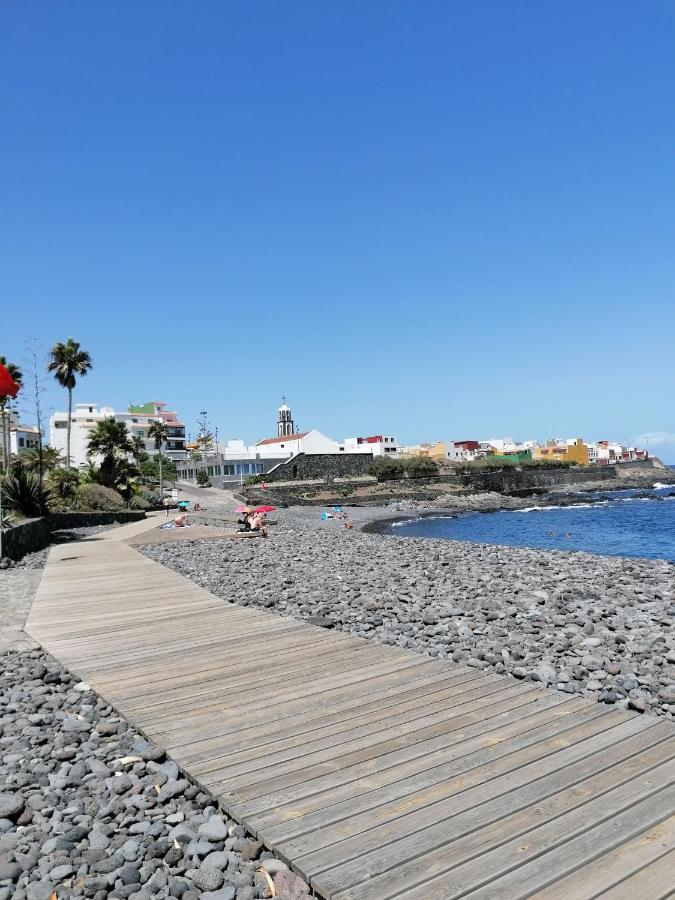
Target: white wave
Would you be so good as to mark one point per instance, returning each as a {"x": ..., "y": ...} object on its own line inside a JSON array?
[
  {"x": 658, "y": 486},
  {"x": 420, "y": 519},
  {"x": 566, "y": 506}
]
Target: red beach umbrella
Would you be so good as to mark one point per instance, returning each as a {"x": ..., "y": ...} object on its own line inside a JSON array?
[
  {"x": 264, "y": 509},
  {"x": 8, "y": 387}
]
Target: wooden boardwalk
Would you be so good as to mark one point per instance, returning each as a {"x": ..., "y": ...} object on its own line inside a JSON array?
[{"x": 375, "y": 772}]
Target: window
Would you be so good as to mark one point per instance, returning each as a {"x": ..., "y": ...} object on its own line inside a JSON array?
[{"x": 21, "y": 442}]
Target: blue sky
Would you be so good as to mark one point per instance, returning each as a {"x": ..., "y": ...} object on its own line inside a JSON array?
[{"x": 429, "y": 219}]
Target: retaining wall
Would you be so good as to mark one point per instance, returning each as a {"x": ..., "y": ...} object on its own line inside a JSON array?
[
  {"x": 503, "y": 481},
  {"x": 326, "y": 466},
  {"x": 35, "y": 534}
]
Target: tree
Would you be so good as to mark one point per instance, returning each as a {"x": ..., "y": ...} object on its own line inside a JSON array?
[
  {"x": 385, "y": 469},
  {"x": 33, "y": 460},
  {"x": 420, "y": 467},
  {"x": 110, "y": 440},
  {"x": 149, "y": 466},
  {"x": 204, "y": 434},
  {"x": 137, "y": 448},
  {"x": 66, "y": 361},
  {"x": 160, "y": 433},
  {"x": 63, "y": 484},
  {"x": 15, "y": 375},
  {"x": 38, "y": 389}
]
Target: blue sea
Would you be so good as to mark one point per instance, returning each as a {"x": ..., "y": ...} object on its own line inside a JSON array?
[{"x": 619, "y": 523}]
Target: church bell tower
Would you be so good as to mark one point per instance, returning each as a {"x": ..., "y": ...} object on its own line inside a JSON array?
[{"x": 285, "y": 426}]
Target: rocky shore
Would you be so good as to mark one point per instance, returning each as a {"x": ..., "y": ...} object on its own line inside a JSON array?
[{"x": 595, "y": 626}]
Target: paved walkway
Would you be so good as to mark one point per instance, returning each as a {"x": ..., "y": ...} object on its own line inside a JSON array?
[
  {"x": 377, "y": 773},
  {"x": 17, "y": 589}
]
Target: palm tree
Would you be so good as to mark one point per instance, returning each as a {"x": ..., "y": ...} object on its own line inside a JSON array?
[
  {"x": 66, "y": 361},
  {"x": 160, "y": 433},
  {"x": 110, "y": 440},
  {"x": 15, "y": 375},
  {"x": 137, "y": 447},
  {"x": 51, "y": 458}
]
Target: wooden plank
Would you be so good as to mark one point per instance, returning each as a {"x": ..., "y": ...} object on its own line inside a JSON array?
[
  {"x": 245, "y": 802},
  {"x": 390, "y": 834},
  {"x": 619, "y": 866},
  {"x": 523, "y": 756},
  {"x": 409, "y": 717},
  {"x": 653, "y": 882},
  {"x": 300, "y": 767},
  {"x": 301, "y": 726},
  {"x": 294, "y": 816},
  {"x": 645, "y": 809},
  {"x": 527, "y": 864}
]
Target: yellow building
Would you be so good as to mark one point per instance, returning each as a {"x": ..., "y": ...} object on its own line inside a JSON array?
[
  {"x": 576, "y": 452},
  {"x": 437, "y": 451}
]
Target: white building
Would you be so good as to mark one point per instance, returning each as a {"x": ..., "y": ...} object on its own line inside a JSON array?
[
  {"x": 138, "y": 420},
  {"x": 376, "y": 445},
  {"x": 22, "y": 437},
  {"x": 302, "y": 442}
]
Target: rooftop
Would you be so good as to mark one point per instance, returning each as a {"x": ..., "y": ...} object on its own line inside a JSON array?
[{"x": 281, "y": 440}]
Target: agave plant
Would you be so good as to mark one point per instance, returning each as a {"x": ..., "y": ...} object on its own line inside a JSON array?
[
  {"x": 7, "y": 519},
  {"x": 22, "y": 491}
]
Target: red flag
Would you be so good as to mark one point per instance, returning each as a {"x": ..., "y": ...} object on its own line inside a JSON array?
[{"x": 8, "y": 387}]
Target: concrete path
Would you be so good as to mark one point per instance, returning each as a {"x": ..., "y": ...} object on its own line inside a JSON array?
[
  {"x": 375, "y": 772},
  {"x": 17, "y": 589}
]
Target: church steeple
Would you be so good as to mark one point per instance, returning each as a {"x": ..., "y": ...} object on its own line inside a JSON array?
[{"x": 285, "y": 426}]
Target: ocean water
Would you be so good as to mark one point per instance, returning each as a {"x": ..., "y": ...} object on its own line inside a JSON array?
[{"x": 625, "y": 525}]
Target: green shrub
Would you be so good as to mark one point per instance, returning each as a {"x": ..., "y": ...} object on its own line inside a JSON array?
[
  {"x": 420, "y": 467},
  {"x": 92, "y": 497},
  {"x": 149, "y": 467},
  {"x": 151, "y": 497},
  {"x": 23, "y": 492},
  {"x": 385, "y": 469},
  {"x": 203, "y": 479},
  {"x": 138, "y": 502},
  {"x": 63, "y": 484},
  {"x": 254, "y": 479}
]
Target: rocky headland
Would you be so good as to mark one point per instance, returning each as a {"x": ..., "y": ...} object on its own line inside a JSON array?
[{"x": 596, "y": 626}]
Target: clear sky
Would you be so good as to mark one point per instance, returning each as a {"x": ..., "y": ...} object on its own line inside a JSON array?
[{"x": 430, "y": 219}]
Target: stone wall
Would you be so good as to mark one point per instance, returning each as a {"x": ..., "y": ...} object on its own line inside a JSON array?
[
  {"x": 514, "y": 481},
  {"x": 326, "y": 466},
  {"x": 509, "y": 480},
  {"x": 35, "y": 534}
]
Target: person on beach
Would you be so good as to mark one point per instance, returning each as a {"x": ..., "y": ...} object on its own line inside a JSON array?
[{"x": 258, "y": 524}]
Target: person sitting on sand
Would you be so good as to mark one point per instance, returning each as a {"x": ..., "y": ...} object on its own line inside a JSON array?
[
  {"x": 245, "y": 522},
  {"x": 180, "y": 521}
]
